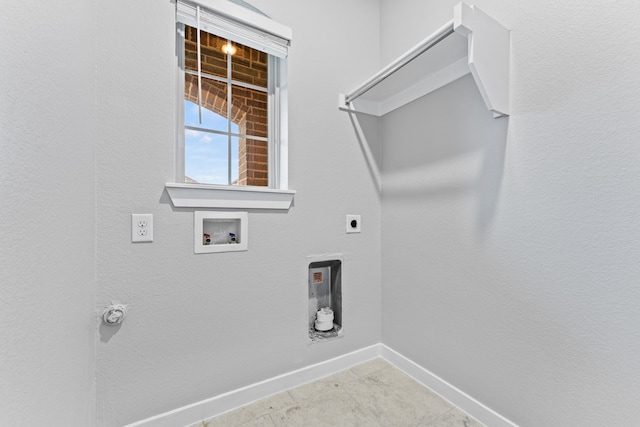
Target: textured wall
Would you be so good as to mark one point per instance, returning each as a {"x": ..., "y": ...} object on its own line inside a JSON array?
[
  {"x": 47, "y": 266},
  {"x": 509, "y": 246},
  {"x": 516, "y": 277},
  {"x": 201, "y": 325}
]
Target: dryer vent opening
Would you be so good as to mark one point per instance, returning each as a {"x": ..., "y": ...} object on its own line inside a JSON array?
[{"x": 325, "y": 300}]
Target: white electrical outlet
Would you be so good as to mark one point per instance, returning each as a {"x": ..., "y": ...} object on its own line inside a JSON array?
[
  {"x": 142, "y": 227},
  {"x": 353, "y": 224}
]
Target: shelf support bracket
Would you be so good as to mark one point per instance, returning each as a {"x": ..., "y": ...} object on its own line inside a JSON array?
[{"x": 489, "y": 45}]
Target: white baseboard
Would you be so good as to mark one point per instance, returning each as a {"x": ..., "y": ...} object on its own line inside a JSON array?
[
  {"x": 453, "y": 395},
  {"x": 217, "y": 405}
]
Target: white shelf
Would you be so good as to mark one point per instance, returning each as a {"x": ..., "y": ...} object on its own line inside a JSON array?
[
  {"x": 472, "y": 42},
  {"x": 228, "y": 197}
]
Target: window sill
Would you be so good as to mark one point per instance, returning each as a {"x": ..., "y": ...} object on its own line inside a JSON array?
[{"x": 223, "y": 197}]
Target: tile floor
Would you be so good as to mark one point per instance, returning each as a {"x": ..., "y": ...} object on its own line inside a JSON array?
[{"x": 373, "y": 394}]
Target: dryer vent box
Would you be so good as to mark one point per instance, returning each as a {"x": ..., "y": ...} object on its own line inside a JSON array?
[{"x": 325, "y": 299}]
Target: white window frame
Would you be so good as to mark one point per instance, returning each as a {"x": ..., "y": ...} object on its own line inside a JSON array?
[{"x": 252, "y": 29}]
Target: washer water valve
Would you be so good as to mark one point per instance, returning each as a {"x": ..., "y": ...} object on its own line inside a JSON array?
[{"x": 114, "y": 314}]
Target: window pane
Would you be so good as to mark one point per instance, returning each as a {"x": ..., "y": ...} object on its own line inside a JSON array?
[
  {"x": 206, "y": 158},
  {"x": 249, "y": 111},
  {"x": 226, "y": 142},
  {"x": 249, "y": 65},
  {"x": 214, "y": 104},
  {"x": 251, "y": 161},
  {"x": 213, "y": 59}
]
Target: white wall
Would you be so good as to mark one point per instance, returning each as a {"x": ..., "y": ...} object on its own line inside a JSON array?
[
  {"x": 202, "y": 325},
  {"x": 510, "y": 247},
  {"x": 47, "y": 264}
]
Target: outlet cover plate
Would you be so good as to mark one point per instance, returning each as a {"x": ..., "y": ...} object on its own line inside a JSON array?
[
  {"x": 141, "y": 228},
  {"x": 354, "y": 224}
]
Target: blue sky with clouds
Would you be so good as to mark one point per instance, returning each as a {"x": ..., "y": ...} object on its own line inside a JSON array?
[{"x": 206, "y": 153}]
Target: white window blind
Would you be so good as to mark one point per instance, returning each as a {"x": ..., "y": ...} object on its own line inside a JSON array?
[{"x": 246, "y": 27}]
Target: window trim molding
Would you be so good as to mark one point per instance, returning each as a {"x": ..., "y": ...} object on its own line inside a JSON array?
[
  {"x": 223, "y": 197},
  {"x": 275, "y": 197}
]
